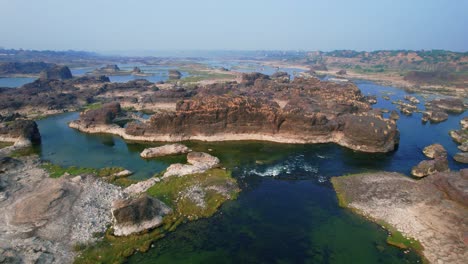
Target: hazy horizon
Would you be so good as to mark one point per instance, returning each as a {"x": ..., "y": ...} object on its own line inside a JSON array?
[{"x": 116, "y": 27}]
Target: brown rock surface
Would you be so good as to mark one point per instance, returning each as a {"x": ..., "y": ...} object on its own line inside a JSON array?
[
  {"x": 134, "y": 215},
  {"x": 428, "y": 210}
]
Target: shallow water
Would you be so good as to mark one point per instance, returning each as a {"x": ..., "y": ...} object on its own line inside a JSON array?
[{"x": 287, "y": 211}]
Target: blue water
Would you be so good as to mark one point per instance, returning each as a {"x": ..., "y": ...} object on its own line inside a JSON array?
[
  {"x": 13, "y": 82},
  {"x": 287, "y": 211}
]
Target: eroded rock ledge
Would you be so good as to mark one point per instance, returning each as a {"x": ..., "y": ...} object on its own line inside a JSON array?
[
  {"x": 303, "y": 111},
  {"x": 432, "y": 210}
]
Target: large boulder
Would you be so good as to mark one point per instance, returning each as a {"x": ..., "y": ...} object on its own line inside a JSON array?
[
  {"x": 435, "y": 151},
  {"x": 171, "y": 149},
  {"x": 428, "y": 167},
  {"x": 56, "y": 73},
  {"x": 135, "y": 215},
  {"x": 435, "y": 116}
]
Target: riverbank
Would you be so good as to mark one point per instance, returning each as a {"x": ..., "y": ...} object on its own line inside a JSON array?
[{"x": 428, "y": 210}]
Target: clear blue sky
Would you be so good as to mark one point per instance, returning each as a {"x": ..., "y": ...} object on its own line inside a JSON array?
[{"x": 111, "y": 25}]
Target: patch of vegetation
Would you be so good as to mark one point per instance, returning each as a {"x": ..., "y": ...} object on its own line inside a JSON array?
[
  {"x": 397, "y": 239},
  {"x": 200, "y": 75},
  {"x": 112, "y": 249},
  {"x": 92, "y": 106},
  {"x": 56, "y": 171},
  {"x": 24, "y": 152},
  {"x": 171, "y": 191},
  {"x": 5, "y": 144}
]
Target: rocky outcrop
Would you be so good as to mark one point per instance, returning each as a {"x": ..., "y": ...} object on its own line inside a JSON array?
[
  {"x": 432, "y": 210},
  {"x": 435, "y": 151},
  {"x": 312, "y": 112},
  {"x": 452, "y": 105},
  {"x": 175, "y": 74},
  {"x": 461, "y": 157},
  {"x": 20, "y": 130},
  {"x": 199, "y": 162},
  {"x": 464, "y": 123},
  {"x": 56, "y": 73},
  {"x": 341, "y": 72},
  {"x": 172, "y": 149},
  {"x": 435, "y": 116},
  {"x": 108, "y": 69},
  {"x": 104, "y": 115},
  {"x": 428, "y": 167},
  {"x": 135, "y": 215},
  {"x": 44, "y": 218},
  {"x": 136, "y": 70}
]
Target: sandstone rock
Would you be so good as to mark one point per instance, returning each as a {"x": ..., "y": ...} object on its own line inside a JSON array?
[
  {"x": 174, "y": 74},
  {"x": 165, "y": 150},
  {"x": 20, "y": 130},
  {"x": 141, "y": 186},
  {"x": 461, "y": 157},
  {"x": 123, "y": 173},
  {"x": 454, "y": 184},
  {"x": 459, "y": 136},
  {"x": 428, "y": 167},
  {"x": 412, "y": 99},
  {"x": 435, "y": 116},
  {"x": 394, "y": 115},
  {"x": 199, "y": 163},
  {"x": 104, "y": 115},
  {"x": 463, "y": 147},
  {"x": 135, "y": 215},
  {"x": 464, "y": 123},
  {"x": 454, "y": 105},
  {"x": 56, "y": 73},
  {"x": 435, "y": 151}
]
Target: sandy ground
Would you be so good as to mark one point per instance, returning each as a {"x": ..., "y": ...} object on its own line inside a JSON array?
[{"x": 418, "y": 209}]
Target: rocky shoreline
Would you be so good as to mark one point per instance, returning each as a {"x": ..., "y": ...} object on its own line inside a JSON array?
[{"x": 432, "y": 210}]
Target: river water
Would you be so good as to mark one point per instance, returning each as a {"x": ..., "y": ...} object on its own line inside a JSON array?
[{"x": 287, "y": 211}]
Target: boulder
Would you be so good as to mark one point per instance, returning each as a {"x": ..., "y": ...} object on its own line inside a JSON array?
[
  {"x": 135, "y": 215},
  {"x": 123, "y": 173},
  {"x": 428, "y": 167},
  {"x": 171, "y": 149},
  {"x": 461, "y": 157},
  {"x": 56, "y": 73},
  {"x": 435, "y": 151}
]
